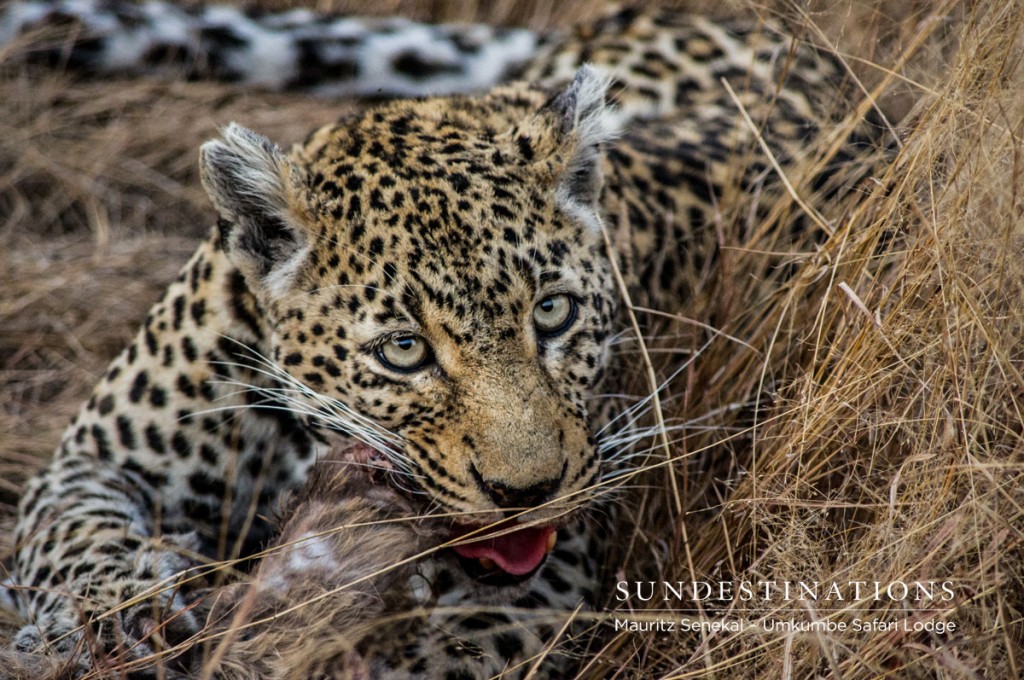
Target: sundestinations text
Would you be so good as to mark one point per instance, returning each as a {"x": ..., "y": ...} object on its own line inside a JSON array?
[{"x": 784, "y": 591}]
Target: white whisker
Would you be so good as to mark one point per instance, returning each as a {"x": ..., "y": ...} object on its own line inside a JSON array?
[{"x": 291, "y": 395}]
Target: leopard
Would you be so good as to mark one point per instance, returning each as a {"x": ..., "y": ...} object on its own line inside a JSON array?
[{"x": 435, "y": 285}]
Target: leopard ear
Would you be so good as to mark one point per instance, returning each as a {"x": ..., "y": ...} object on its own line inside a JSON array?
[
  {"x": 586, "y": 122},
  {"x": 258, "y": 194}
]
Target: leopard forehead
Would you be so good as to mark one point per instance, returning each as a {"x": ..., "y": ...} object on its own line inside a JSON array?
[
  {"x": 457, "y": 207},
  {"x": 442, "y": 207}
]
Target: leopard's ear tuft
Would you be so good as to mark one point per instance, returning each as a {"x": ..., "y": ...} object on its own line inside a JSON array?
[
  {"x": 587, "y": 122},
  {"x": 584, "y": 109},
  {"x": 258, "y": 194}
]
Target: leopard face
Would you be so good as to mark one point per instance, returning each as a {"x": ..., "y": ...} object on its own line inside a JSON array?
[{"x": 436, "y": 279}]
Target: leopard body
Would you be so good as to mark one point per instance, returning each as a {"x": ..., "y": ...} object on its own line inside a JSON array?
[{"x": 447, "y": 220}]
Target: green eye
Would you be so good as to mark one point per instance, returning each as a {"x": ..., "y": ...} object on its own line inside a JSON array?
[
  {"x": 554, "y": 314},
  {"x": 404, "y": 353}
]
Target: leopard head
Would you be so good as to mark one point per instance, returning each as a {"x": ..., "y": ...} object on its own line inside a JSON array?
[{"x": 438, "y": 286}]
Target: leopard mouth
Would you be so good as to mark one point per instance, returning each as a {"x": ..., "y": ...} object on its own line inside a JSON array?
[
  {"x": 494, "y": 555},
  {"x": 501, "y": 555}
]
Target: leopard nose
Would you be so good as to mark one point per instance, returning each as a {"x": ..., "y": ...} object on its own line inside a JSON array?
[{"x": 508, "y": 496}]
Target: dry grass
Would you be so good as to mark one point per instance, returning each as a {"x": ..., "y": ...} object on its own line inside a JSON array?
[{"x": 888, "y": 448}]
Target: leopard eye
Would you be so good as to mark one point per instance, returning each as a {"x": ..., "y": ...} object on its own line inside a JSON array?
[
  {"x": 554, "y": 314},
  {"x": 404, "y": 353}
]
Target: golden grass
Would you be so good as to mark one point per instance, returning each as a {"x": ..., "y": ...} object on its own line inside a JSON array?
[{"x": 886, "y": 374}]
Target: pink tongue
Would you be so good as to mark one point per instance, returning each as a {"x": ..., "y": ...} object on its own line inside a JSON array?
[{"x": 517, "y": 553}]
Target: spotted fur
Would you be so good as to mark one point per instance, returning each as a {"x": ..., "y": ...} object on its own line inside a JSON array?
[
  {"x": 300, "y": 49},
  {"x": 451, "y": 219}
]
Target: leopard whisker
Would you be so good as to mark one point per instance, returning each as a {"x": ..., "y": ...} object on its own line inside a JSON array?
[
  {"x": 620, "y": 458},
  {"x": 372, "y": 466},
  {"x": 284, "y": 396},
  {"x": 624, "y": 440},
  {"x": 630, "y": 412},
  {"x": 272, "y": 370},
  {"x": 373, "y": 441},
  {"x": 281, "y": 399}
]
